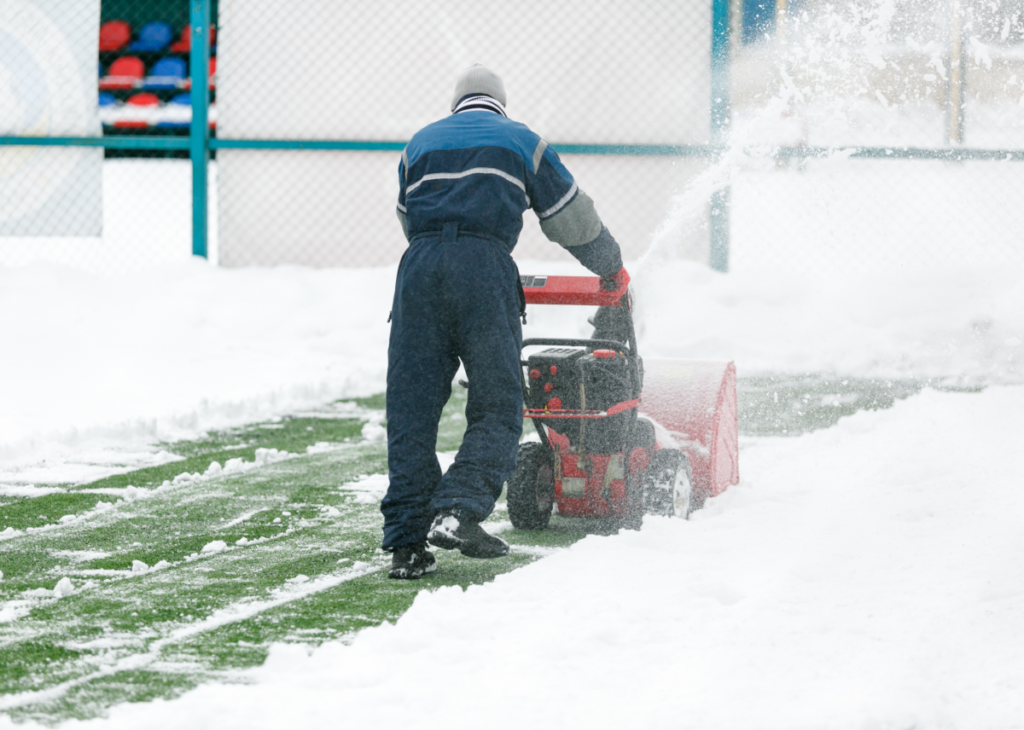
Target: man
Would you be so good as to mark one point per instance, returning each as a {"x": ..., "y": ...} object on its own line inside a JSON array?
[{"x": 464, "y": 183}]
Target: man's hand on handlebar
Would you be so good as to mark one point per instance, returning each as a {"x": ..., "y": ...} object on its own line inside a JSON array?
[{"x": 616, "y": 281}]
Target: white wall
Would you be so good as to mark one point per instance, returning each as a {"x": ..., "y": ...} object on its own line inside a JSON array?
[{"x": 575, "y": 71}]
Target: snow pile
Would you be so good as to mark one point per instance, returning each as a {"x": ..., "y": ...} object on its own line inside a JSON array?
[
  {"x": 99, "y": 368},
  {"x": 217, "y": 546},
  {"x": 105, "y": 367},
  {"x": 869, "y": 575},
  {"x": 63, "y": 588}
]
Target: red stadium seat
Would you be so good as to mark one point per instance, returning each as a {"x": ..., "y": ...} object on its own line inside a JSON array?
[
  {"x": 114, "y": 35},
  {"x": 138, "y": 112},
  {"x": 125, "y": 73},
  {"x": 184, "y": 44}
]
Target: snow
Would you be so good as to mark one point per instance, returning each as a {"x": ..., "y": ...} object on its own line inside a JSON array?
[
  {"x": 867, "y": 575},
  {"x": 183, "y": 348},
  {"x": 170, "y": 353},
  {"x": 63, "y": 588}
]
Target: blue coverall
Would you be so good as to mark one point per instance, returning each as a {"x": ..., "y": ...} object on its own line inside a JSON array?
[{"x": 465, "y": 182}]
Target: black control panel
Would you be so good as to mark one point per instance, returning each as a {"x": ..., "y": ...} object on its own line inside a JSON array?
[{"x": 553, "y": 378}]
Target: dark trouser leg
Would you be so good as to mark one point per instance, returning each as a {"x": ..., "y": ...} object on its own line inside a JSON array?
[
  {"x": 421, "y": 364},
  {"x": 483, "y": 291}
]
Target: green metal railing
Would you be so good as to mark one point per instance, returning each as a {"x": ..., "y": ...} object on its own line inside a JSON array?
[{"x": 200, "y": 143}]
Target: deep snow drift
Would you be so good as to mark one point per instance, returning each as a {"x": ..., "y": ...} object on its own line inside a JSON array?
[
  {"x": 97, "y": 369},
  {"x": 865, "y": 576}
]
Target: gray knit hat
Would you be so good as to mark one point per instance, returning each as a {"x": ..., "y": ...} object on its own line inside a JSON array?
[{"x": 478, "y": 79}]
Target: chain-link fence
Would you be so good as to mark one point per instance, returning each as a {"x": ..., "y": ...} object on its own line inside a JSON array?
[
  {"x": 863, "y": 134},
  {"x": 91, "y": 70},
  {"x": 604, "y": 75},
  {"x": 911, "y": 117}
]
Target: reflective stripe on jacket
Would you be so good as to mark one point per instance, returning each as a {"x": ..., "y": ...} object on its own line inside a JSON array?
[{"x": 481, "y": 170}]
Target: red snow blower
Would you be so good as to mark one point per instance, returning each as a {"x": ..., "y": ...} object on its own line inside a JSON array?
[{"x": 619, "y": 436}]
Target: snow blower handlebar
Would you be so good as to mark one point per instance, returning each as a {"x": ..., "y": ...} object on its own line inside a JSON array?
[{"x": 582, "y": 290}]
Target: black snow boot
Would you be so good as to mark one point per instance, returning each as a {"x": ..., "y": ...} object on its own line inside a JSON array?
[
  {"x": 411, "y": 561},
  {"x": 454, "y": 531}
]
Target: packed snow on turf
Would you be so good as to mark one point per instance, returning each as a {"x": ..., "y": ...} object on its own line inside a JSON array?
[
  {"x": 866, "y": 576},
  {"x": 99, "y": 369}
]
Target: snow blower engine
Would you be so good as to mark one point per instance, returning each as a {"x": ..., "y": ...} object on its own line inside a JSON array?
[{"x": 618, "y": 437}]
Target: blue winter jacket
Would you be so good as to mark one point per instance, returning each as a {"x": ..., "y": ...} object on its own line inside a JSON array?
[{"x": 481, "y": 170}]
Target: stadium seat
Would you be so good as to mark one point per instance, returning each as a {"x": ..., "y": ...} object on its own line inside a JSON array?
[
  {"x": 153, "y": 36},
  {"x": 184, "y": 43},
  {"x": 125, "y": 73},
  {"x": 114, "y": 35},
  {"x": 140, "y": 112},
  {"x": 167, "y": 73},
  {"x": 177, "y": 113},
  {"x": 109, "y": 109}
]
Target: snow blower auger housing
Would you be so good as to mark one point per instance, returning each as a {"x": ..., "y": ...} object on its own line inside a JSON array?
[{"x": 619, "y": 437}]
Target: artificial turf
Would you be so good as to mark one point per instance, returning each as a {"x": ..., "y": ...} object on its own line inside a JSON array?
[{"x": 181, "y": 578}]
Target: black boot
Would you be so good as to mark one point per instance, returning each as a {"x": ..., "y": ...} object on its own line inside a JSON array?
[
  {"x": 412, "y": 561},
  {"x": 452, "y": 531}
]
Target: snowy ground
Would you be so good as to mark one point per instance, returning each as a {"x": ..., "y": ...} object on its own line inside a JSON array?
[
  {"x": 865, "y": 576},
  {"x": 100, "y": 368}
]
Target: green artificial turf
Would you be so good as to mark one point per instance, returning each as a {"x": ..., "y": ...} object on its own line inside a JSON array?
[{"x": 300, "y": 559}]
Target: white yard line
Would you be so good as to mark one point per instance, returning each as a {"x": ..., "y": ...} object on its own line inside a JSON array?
[
  {"x": 243, "y": 518},
  {"x": 222, "y": 617}
]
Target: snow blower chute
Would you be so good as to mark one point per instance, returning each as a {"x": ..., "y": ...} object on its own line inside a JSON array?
[{"x": 619, "y": 436}]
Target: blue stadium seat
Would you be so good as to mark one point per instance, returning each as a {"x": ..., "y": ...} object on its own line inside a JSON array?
[
  {"x": 109, "y": 111},
  {"x": 177, "y": 113},
  {"x": 167, "y": 73},
  {"x": 155, "y": 36}
]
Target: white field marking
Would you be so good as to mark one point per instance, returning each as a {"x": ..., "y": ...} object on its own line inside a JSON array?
[
  {"x": 233, "y": 613},
  {"x": 264, "y": 457},
  {"x": 80, "y": 556},
  {"x": 13, "y": 610},
  {"x": 243, "y": 518}
]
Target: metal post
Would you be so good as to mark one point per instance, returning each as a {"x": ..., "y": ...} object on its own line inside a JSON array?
[
  {"x": 720, "y": 118},
  {"x": 957, "y": 64},
  {"x": 199, "y": 131}
]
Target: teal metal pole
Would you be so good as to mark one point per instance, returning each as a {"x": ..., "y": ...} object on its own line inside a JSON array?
[
  {"x": 199, "y": 132},
  {"x": 721, "y": 112}
]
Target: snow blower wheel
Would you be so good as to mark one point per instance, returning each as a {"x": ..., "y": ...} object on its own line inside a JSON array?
[
  {"x": 531, "y": 489},
  {"x": 668, "y": 488}
]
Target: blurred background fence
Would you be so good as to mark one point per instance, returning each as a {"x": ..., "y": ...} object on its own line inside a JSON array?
[{"x": 799, "y": 134}]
